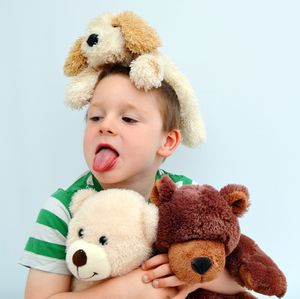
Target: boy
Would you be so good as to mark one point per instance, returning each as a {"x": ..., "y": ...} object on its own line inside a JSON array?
[{"x": 128, "y": 134}]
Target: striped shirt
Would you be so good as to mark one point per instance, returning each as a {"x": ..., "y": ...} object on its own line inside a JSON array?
[{"x": 46, "y": 247}]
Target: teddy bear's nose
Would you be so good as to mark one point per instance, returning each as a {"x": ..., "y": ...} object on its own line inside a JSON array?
[
  {"x": 201, "y": 264},
  {"x": 79, "y": 258},
  {"x": 92, "y": 40}
]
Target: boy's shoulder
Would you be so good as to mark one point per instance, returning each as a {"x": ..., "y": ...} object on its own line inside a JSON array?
[
  {"x": 85, "y": 181},
  {"x": 179, "y": 179}
]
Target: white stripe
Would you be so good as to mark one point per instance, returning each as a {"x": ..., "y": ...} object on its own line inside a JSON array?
[
  {"x": 89, "y": 180},
  {"x": 48, "y": 234},
  {"x": 54, "y": 206},
  {"x": 44, "y": 263},
  {"x": 194, "y": 182},
  {"x": 179, "y": 183}
]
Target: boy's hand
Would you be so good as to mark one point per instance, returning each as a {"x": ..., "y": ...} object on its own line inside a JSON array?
[{"x": 158, "y": 272}]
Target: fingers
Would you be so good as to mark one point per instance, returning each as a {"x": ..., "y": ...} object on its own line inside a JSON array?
[
  {"x": 170, "y": 281},
  {"x": 158, "y": 272},
  {"x": 155, "y": 261}
]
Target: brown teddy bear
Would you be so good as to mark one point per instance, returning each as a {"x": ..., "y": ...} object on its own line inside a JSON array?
[{"x": 198, "y": 226}]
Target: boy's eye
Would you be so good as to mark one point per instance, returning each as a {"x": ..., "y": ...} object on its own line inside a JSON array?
[
  {"x": 129, "y": 120},
  {"x": 95, "y": 118}
]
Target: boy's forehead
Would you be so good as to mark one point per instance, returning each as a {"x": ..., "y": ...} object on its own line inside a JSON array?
[{"x": 119, "y": 89}]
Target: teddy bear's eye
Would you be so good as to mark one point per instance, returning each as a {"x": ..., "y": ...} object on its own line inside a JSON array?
[
  {"x": 81, "y": 233},
  {"x": 103, "y": 240},
  {"x": 92, "y": 40}
]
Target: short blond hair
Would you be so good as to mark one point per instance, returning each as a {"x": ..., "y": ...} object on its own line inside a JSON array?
[{"x": 167, "y": 98}]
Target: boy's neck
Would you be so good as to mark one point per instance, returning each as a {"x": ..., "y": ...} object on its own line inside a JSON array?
[{"x": 143, "y": 186}]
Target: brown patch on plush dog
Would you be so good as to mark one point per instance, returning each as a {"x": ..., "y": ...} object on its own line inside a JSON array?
[
  {"x": 139, "y": 37},
  {"x": 76, "y": 61}
]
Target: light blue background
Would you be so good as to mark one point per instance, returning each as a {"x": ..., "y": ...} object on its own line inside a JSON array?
[{"x": 243, "y": 60}]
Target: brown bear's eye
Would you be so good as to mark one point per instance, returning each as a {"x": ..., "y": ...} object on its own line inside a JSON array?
[
  {"x": 103, "y": 240},
  {"x": 80, "y": 233}
]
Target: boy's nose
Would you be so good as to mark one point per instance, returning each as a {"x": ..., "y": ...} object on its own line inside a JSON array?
[{"x": 106, "y": 131}]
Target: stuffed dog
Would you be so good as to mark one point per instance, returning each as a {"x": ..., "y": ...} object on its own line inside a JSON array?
[{"x": 127, "y": 39}]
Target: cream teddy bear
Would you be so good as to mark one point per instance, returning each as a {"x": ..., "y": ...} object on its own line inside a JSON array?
[{"x": 110, "y": 234}]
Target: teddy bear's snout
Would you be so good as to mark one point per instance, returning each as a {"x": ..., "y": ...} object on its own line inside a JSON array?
[
  {"x": 79, "y": 258},
  {"x": 92, "y": 40},
  {"x": 201, "y": 265}
]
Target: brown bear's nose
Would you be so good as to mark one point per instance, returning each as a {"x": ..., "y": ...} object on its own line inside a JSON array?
[
  {"x": 79, "y": 258},
  {"x": 201, "y": 264}
]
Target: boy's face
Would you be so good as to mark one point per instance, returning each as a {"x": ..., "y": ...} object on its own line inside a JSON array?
[{"x": 124, "y": 140}]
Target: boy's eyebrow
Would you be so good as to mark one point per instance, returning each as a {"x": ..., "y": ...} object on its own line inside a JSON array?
[{"x": 125, "y": 106}]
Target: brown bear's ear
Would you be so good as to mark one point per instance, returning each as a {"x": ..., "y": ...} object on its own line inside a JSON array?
[
  {"x": 237, "y": 197},
  {"x": 139, "y": 37},
  {"x": 163, "y": 190},
  {"x": 76, "y": 60},
  {"x": 78, "y": 198}
]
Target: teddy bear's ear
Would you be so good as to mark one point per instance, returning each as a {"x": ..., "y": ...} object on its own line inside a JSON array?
[
  {"x": 78, "y": 198},
  {"x": 237, "y": 197},
  {"x": 76, "y": 60},
  {"x": 139, "y": 37},
  {"x": 163, "y": 190}
]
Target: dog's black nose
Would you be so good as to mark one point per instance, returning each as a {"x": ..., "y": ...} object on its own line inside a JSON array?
[
  {"x": 79, "y": 258},
  {"x": 201, "y": 264},
  {"x": 92, "y": 40}
]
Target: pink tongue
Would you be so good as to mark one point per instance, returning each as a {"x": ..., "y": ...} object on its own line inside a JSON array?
[{"x": 104, "y": 160}]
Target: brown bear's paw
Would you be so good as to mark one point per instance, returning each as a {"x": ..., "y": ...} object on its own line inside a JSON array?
[{"x": 264, "y": 278}]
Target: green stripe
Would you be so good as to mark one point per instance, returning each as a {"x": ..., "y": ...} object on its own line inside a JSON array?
[
  {"x": 46, "y": 249},
  {"x": 49, "y": 219},
  {"x": 64, "y": 197}
]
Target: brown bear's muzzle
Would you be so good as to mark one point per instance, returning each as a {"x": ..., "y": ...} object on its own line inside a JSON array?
[{"x": 197, "y": 261}]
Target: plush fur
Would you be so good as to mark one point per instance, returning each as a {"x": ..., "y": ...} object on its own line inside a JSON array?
[
  {"x": 127, "y": 39},
  {"x": 198, "y": 226},
  {"x": 110, "y": 234}
]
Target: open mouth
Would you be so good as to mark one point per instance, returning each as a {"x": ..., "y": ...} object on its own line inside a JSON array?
[
  {"x": 103, "y": 146},
  {"x": 105, "y": 157}
]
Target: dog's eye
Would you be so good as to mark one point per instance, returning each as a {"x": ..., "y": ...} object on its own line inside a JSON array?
[
  {"x": 81, "y": 233},
  {"x": 92, "y": 40},
  {"x": 103, "y": 240}
]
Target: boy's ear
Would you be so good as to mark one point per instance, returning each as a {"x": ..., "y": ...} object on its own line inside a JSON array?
[{"x": 172, "y": 140}]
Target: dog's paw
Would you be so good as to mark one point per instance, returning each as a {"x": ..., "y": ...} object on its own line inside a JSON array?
[
  {"x": 147, "y": 71},
  {"x": 81, "y": 88}
]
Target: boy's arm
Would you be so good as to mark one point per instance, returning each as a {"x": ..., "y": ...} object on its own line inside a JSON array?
[{"x": 45, "y": 285}]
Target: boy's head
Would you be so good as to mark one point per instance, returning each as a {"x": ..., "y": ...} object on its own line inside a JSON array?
[
  {"x": 166, "y": 97},
  {"x": 129, "y": 132}
]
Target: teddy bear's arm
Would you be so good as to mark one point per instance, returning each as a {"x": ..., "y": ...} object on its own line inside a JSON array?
[{"x": 254, "y": 269}]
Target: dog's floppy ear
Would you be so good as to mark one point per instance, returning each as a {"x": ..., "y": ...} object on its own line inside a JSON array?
[
  {"x": 139, "y": 37},
  {"x": 76, "y": 60}
]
